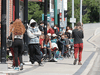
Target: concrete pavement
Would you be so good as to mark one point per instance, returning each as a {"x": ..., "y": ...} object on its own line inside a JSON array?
[
  {"x": 62, "y": 67},
  {"x": 65, "y": 67}
]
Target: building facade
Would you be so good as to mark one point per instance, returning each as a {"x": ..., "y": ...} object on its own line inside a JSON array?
[{"x": 10, "y": 12}]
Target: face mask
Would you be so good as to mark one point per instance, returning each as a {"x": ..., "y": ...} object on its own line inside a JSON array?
[
  {"x": 55, "y": 27},
  {"x": 42, "y": 25},
  {"x": 33, "y": 24}
]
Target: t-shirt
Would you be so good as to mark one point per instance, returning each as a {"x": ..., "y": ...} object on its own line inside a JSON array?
[
  {"x": 41, "y": 28},
  {"x": 54, "y": 41},
  {"x": 68, "y": 34},
  {"x": 50, "y": 31},
  {"x": 78, "y": 36},
  {"x": 70, "y": 31},
  {"x": 41, "y": 40}
]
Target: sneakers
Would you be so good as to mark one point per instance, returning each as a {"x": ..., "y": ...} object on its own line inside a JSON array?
[
  {"x": 44, "y": 56},
  {"x": 55, "y": 60},
  {"x": 50, "y": 60},
  {"x": 41, "y": 64},
  {"x": 21, "y": 66},
  {"x": 75, "y": 61},
  {"x": 16, "y": 68},
  {"x": 79, "y": 63},
  {"x": 60, "y": 58}
]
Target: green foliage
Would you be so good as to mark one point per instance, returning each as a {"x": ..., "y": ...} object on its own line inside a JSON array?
[
  {"x": 7, "y": 56},
  {"x": 34, "y": 11},
  {"x": 92, "y": 15}
]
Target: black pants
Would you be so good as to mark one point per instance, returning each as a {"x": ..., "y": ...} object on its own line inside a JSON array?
[
  {"x": 18, "y": 45},
  {"x": 35, "y": 54},
  {"x": 47, "y": 51}
]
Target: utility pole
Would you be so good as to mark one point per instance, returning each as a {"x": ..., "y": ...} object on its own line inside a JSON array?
[
  {"x": 73, "y": 13},
  {"x": 7, "y": 21},
  {"x": 63, "y": 12},
  {"x": 16, "y": 9},
  {"x": 45, "y": 16},
  {"x": 73, "y": 20},
  {"x": 3, "y": 32},
  {"x": 25, "y": 23},
  {"x": 81, "y": 12},
  {"x": 59, "y": 18},
  {"x": 55, "y": 12}
]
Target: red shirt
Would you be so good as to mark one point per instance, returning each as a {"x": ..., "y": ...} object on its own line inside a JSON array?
[
  {"x": 58, "y": 29},
  {"x": 41, "y": 40},
  {"x": 50, "y": 31}
]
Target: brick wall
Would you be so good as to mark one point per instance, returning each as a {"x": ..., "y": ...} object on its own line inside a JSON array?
[
  {"x": 10, "y": 15},
  {"x": 10, "y": 12}
]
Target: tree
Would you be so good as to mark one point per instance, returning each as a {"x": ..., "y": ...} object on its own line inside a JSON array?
[
  {"x": 34, "y": 11},
  {"x": 92, "y": 15}
]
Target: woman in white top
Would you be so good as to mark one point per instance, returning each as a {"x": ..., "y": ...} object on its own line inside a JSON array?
[{"x": 18, "y": 30}]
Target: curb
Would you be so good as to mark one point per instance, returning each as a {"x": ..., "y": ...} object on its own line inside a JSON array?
[
  {"x": 90, "y": 40},
  {"x": 86, "y": 71}
]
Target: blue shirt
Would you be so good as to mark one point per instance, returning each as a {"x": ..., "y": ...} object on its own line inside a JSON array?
[{"x": 54, "y": 41}]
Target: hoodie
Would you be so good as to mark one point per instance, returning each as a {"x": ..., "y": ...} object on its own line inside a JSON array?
[{"x": 33, "y": 33}]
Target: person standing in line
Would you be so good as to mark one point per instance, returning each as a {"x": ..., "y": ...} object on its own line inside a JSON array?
[
  {"x": 69, "y": 29},
  {"x": 49, "y": 29},
  {"x": 41, "y": 27},
  {"x": 18, "y": 30},
  {"x": 56, "y": 30},
  {"x": 34, "y": 46},
  {"x": 68, "y": 34},
  {"x": 11, "y": 47},
  {"x": 78, "y": 35}
]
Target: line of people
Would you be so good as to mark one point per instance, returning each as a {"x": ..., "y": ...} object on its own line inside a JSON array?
[{"x": 49, "y": 47}]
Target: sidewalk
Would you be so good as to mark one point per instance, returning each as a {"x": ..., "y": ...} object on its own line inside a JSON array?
[{"x": 63, "y": 67}]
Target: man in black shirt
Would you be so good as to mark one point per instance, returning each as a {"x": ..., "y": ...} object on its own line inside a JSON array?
[
  {"x": 56, "y": 29},
  {"x": 41, "y": 26},
  {"x": 78, "y": 35},
  {"x": 68, "y": 34},
  {"x": 63, "y": 44}
]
